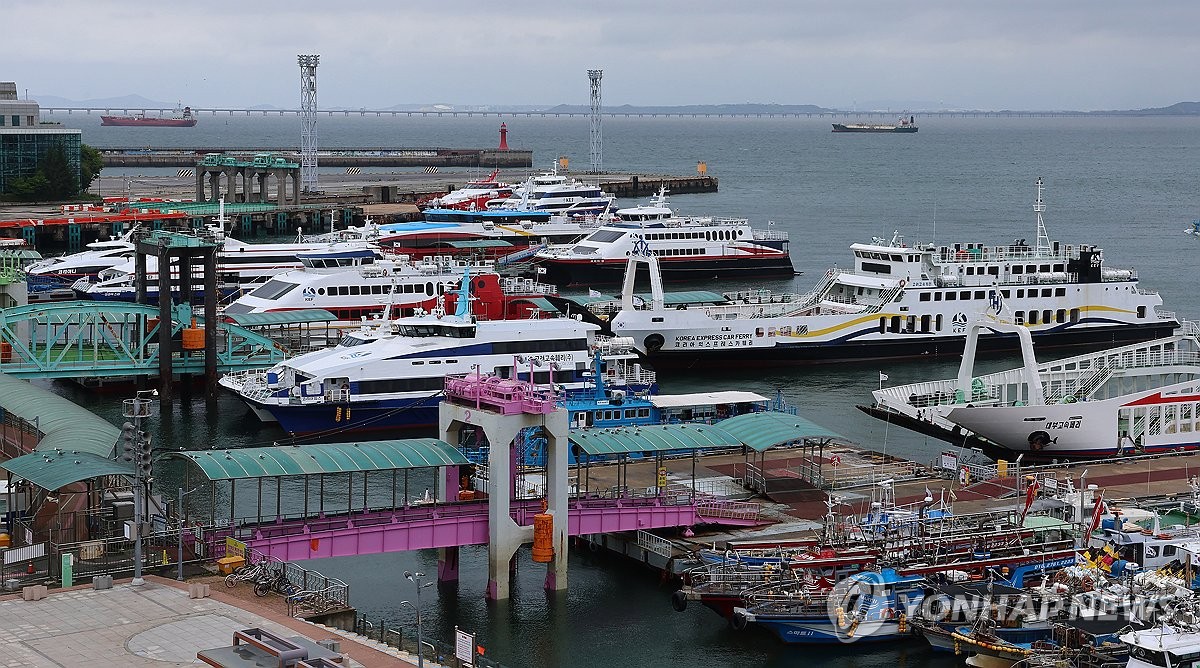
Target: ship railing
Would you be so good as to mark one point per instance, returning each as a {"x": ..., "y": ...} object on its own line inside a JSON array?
[
  {"x": 513, "y": 285},
  {"x": 655, "y": 544},
  {"x": 770, "y": 235},
  {"x": 980, "y": 253},
  {"x": 734, "y": 510}
]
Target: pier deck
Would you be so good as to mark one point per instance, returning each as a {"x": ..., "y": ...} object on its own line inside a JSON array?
[{"x": 152, "y": 625}]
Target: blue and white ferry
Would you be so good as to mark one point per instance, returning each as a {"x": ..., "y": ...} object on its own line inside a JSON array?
[{"x": 391, "y": 375}]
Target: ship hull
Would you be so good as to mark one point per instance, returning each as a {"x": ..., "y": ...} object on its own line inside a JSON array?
[
  {"x": 897, "y": 348},
  {"x": 587, "y": 272},
  {"x": 893, "y": 129},
  {"x": 133, "y": 121}
]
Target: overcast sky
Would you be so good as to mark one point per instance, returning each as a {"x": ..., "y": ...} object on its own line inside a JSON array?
[{"x": 990, "y": 54}]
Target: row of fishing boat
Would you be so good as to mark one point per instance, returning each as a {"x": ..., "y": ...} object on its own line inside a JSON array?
[{"x": 1007, "y": 589}]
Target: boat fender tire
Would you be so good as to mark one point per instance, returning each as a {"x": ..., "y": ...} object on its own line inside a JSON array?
[
  {"x": 679, "y": 600},
  {"x": 654, "y": 342},
  {"x": 739, "y": 621},
  {"x": 593, "y": 546}
]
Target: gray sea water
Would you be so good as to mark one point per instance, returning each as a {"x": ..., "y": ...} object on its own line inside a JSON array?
[{"x": 1125, "y": 184}]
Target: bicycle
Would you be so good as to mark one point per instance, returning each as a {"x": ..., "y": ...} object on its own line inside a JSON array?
[
  {"x": 247, "y": 573},
  {"x": 274, "y": 580}
]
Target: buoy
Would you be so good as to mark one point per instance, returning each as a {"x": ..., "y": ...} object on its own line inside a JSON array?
[
  {"x": 193, "y": 337},
  {"x": 543, "y": 538}
]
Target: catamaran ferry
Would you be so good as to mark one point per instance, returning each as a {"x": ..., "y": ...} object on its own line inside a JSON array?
[{"x": 904, "y": 301}]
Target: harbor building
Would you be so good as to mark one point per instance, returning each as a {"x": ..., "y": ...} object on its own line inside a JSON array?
[{"x": 24, "y": 139}]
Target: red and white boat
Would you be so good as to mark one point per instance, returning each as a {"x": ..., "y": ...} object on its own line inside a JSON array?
[
  {"x": 474, "y": 196},
  {"x": 182, "y": 118},
  {"x": 356, "y": 284}
]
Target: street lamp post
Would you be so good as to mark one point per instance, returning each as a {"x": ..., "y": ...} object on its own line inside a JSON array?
[
  {"x": 414, "y": 578},
  {"x": 137, "y": 450}
]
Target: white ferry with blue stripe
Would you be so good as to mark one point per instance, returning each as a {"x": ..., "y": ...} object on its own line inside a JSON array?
[
  {"x": 902, "y": 301},
  {"x": 390, "y": 376}
]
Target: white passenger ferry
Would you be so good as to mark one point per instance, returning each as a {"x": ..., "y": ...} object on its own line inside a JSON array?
[
  {"x": 686, "y": 247},
  {"x": 904, "y": 301},
  {"x": 355, "y": 284}
]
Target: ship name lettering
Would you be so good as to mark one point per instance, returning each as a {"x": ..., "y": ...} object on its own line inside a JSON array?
[{"x": 1064, "y": 424}]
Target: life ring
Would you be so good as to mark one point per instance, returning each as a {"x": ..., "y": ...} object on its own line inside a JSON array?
[
  {"x": 679, "y": 600},
  {"x": 903, "y": 283}
]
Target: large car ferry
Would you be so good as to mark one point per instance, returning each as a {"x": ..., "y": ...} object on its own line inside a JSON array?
[
  {"x": 1142, "y": 397},
  {"x": 904, "y": 301},
  {"x": 686, "y": 248}
]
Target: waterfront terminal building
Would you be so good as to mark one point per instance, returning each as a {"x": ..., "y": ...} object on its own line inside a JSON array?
[{"x": 24, "y": 139}]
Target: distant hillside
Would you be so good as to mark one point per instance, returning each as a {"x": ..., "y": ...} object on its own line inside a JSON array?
[
  {"x": 1177, "y": 109},
  {"x": 746, "y": 108},
  {"x": 136, "y": 101}
]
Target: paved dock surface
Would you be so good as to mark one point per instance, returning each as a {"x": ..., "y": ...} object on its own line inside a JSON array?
[{"x": 155, "y": 624}]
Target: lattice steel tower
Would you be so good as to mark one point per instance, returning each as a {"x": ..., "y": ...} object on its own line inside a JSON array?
[
  {"x": 308, "y": 122},
  {"x": 597, "y": 152}
]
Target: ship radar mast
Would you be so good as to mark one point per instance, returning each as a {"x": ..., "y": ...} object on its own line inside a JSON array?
[{"x": 1039, "y": 207}]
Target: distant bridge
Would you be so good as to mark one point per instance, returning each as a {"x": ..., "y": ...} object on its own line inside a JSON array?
[{"x": 164, "y": 111}]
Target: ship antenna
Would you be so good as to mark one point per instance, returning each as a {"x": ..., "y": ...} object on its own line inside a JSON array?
[{"x": 1039, "y": 207}]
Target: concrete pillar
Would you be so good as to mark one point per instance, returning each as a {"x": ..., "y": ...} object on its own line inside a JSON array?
[
  {"x": 447, "y": 490},
  {"x": 280, "y": 187},
  {"x": 214, "y": 184},
  {"x": 504, "y": 535},
  {"x": 557, "y": 496},
  {"x": 210, "y": 324},
  {"x": 295, "y": 186},
  {"x": 165, "y": 347},
  {"x": 199, "y": 184}
]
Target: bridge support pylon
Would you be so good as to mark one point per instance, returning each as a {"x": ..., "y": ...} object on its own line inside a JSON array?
[{"x": 505, "y": 536}]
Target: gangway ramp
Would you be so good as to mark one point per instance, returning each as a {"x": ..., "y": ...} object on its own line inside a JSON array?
[{"x": 83, "y": 339}]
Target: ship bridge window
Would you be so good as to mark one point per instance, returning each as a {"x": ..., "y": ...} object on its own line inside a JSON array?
[
  {"x": 877, "y": 268},
  {"x": 351, "y": 341},
  {"x": 274, "y": 289},
  {"x": 606, "y": 236}
]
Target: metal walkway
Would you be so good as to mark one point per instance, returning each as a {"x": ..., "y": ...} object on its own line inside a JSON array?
[
  {"x": 105, "y": 339},
  {"x": 425, "y": 526}
]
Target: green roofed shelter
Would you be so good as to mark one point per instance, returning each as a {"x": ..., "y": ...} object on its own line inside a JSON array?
[
  {"x": 770, "y": 429},
  {"x": 298, "y": 460},
  {"x": 54, "y": 469},
  {"x": 274, "y": 318},
  {"x": 652, "y": 438},
  {"x": 63, "y": 425}
]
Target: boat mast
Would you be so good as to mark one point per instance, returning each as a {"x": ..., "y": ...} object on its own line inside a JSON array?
[{"x": 1039, "y": 207}]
